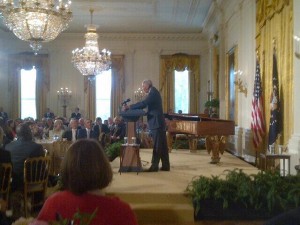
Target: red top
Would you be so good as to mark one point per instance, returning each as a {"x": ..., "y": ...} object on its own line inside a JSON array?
[{"x": 111, "y": 210}]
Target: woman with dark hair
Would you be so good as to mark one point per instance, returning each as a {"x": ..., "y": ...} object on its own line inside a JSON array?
[{"x": 85, "y": 172}]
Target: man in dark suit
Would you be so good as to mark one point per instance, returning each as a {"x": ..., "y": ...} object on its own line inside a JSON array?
[
  {"x": 86, "y": 132},
  {"x": 49, "y": 114},
  {"x": 20, "y": 150},
  {"x": 156, "y": 124},
  {"x": 101, "y": 131},
  {"x": 4, "y": 156},
  {"x": 71, "y": 133},
  {"x": 76, "y": 114},
  {"x": 119, "y": 130}
]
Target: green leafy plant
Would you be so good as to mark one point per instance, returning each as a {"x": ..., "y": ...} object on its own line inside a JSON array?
[
  {"x": 265, "y": 191},
  {"x": 113, "y": 150},
  {"x": 215, "y": 103}
]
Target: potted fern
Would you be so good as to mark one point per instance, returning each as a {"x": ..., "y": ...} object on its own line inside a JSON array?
[
  {"x": 242, "y": 196},
  {"x": 212, "y": 107}
]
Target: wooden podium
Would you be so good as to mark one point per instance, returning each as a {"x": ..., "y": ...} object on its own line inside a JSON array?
[{"x": 130, "y": 160}]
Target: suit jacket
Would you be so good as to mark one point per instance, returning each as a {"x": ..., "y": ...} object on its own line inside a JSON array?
[
  {"x": 155, "y": 114},
  {"x": 119, "y": 130},
  {"x": 82, "y": 133},
  {"x": 4, "y": 156},
  {"x": 103, "y": 129},
  {"x": 20, "y": 150},
  {"x": 76, "y": 115},
  {"x": 49, "y": 115},
  {"x": 68, "y": 134}
]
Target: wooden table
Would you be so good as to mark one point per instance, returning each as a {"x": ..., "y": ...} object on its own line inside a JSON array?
[
  {"x": 130, "y": 160},
  {"x": 271, "y": 157}
]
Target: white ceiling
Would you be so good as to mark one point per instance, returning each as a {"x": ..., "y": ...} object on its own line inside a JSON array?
[{"x": 140, "y": 16}]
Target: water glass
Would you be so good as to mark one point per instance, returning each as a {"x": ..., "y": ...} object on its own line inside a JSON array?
[
  {"x": 125, "y": 140},
  {"x": 272, "y": 149},
  {"x": 281, "y": 149},
  {"x": 133, "y": 140}
]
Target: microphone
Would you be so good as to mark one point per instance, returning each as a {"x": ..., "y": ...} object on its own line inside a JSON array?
[{"x": 126, "y": 101}]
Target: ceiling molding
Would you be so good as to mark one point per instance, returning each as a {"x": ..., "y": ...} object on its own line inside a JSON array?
[{"x": 143, "y": 36}]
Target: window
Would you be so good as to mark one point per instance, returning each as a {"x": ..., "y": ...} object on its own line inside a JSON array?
[
  {"x": 182, "y": 91},
  {"x": 28, "y": 93},
  {"x": 103, "y": 94}
]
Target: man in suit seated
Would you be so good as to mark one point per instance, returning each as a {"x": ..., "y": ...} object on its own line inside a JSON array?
[
  {"x": 20, "y": 150},
  {"x": 71, "y": 133},
  {"x": 87, "y": 132},
  {"x": 101, "y": 131},
  {"x": 119, "y": 130}
]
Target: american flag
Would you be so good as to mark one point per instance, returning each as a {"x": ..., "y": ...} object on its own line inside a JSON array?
[{"x": 258, "y": 122}]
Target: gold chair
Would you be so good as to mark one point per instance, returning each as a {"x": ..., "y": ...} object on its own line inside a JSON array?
[
  {"x": 36, "y": 172},
  {"x": 5, "y": 179}
]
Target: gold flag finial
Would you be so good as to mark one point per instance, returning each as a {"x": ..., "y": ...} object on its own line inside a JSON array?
[{"x": 274, "y": 43}]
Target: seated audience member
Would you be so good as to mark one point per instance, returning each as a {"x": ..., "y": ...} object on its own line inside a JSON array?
[
  {"x": 48, "y": 126},
  {"x": 20, "y": 150},
  {"x": 83, "y": 185},
  {"x": 110, "y": 124},
  {"x": 71, "y": 133},
  {"x": 81, "y": 123},
  {"x": 76, "y": 114},
  {"x": 57, "y": 131},
  {"x": 87, "y": 132},
  {"x": 3, "y": 114},
  {"x": 49, "y": 114},
  {"x": 11, "y": 128},
  {"x": 8, "y": 137},
  {"x": 101, "y": 131},
  {"x": 119, "y": 130},
  {"x": 18, "y": 121},
  {"x": 37, "y": 132}
]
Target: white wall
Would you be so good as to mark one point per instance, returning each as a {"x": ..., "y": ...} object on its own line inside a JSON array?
[{"x": 142, "y": 53}]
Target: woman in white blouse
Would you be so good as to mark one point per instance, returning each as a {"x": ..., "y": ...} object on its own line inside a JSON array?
[{"x": 57, "y": 131}]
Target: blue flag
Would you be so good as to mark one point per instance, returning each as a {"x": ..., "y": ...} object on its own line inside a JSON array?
[{"x": 275, "y": 118}]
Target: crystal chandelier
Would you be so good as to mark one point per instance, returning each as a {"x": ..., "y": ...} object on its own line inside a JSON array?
[
  {"x": 88, "y": 60},
  {"x": 36, "y": 21}
]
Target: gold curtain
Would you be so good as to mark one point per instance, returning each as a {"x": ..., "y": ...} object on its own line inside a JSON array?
[
  {"x": 90, "y": 98},
  {"x": 179, "y": 62},
  {"x": 27, "y": 61},
  {"x": 274, "y": 21},
  {"x": 117, "y": 88},
  {"x": 118, "y": 83}
]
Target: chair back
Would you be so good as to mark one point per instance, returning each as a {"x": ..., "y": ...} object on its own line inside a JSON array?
[
  {"x": 36, "y": 170},
  {"x": 5, "y": 179}
]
